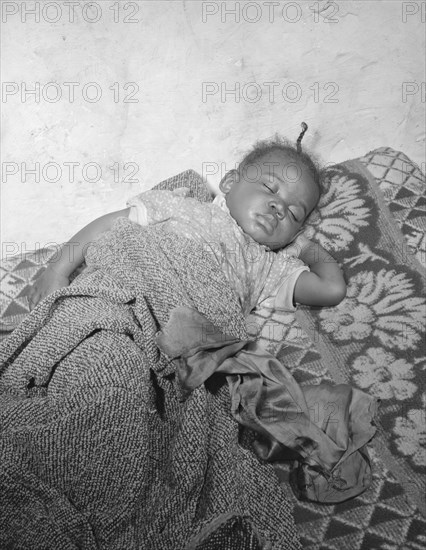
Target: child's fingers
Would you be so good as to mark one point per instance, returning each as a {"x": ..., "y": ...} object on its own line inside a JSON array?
[
  {"x": 30, "y": 297},
  {"x": 33, "y": 301},
  {"x": 33, "y": 297}
]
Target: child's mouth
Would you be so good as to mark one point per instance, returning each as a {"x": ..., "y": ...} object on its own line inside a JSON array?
[{"x": 267, "y": 224}]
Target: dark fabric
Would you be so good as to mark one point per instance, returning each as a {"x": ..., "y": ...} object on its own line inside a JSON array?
[{"x": 325, "y": 428}]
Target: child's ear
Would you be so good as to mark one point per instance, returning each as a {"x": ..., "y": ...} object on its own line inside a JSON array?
[{"x": 228, "y": 181}]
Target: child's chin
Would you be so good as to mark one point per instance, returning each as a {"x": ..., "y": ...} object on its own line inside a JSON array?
[
  {"x": 277, "y": 246},
  {"x": 273, "y": 245}
]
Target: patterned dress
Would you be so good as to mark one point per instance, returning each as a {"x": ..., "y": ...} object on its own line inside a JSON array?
[{"x": 257, "y": 274}]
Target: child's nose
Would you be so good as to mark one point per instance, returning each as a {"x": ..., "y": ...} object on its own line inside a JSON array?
[{"x": 279, "y": 208}]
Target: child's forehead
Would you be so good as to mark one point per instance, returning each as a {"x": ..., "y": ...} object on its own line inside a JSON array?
[
  {"x": 280, "y": 165},
  {"x": 277, "y": 163},
  {"x": 279, "y": 158}
]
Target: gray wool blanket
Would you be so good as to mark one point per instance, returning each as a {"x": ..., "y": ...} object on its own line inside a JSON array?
[{"x": 97, "y": 451}]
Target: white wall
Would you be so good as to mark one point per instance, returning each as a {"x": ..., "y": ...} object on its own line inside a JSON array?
[{"x": 364, "y": 56}]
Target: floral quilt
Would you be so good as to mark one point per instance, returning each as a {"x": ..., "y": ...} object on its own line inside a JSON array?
[{"x": 372, "y": 220}]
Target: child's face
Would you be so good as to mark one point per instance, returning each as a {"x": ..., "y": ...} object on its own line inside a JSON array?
[{"x": 271, "y": 199}]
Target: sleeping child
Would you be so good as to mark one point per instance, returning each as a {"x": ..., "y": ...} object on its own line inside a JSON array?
[{"x": 247, "y": 229}]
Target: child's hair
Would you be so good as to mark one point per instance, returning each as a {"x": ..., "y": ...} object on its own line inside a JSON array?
[{"x": 279, "y": 143}]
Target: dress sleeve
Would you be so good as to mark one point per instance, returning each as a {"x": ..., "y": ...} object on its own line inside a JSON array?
[
  {"x": 138, "y": 213},
  {"x": 278, "y": 292},
  {"x": 155, "y": 205}
]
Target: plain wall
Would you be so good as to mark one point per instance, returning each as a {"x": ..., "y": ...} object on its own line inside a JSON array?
[{"x": 354, "y": 71}]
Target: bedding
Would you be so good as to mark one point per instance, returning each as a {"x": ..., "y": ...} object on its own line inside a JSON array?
[
  {"x": 371, "y": 220},
  {"x": 97, "y": 451}
]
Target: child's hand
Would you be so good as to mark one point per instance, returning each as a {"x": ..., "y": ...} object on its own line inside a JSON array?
[
  {"x": 299, "y": 246},
  {"x": 48, "y": 282}
]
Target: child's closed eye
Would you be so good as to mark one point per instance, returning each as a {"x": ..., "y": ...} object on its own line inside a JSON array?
[
  {"x": 297, "y": 215},
  {"x": 269, "y": 187}
]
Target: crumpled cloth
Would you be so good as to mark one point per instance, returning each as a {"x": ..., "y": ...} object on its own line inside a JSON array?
[{"x": 323, "y": 429}]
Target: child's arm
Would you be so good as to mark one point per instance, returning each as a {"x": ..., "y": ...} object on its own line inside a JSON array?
[
  {"x": 58, "y": 271},
  {"x": 324, "y": 285}
]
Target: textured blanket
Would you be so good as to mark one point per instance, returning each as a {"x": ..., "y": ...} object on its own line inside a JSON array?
[{"x": 97, "y": 451}]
